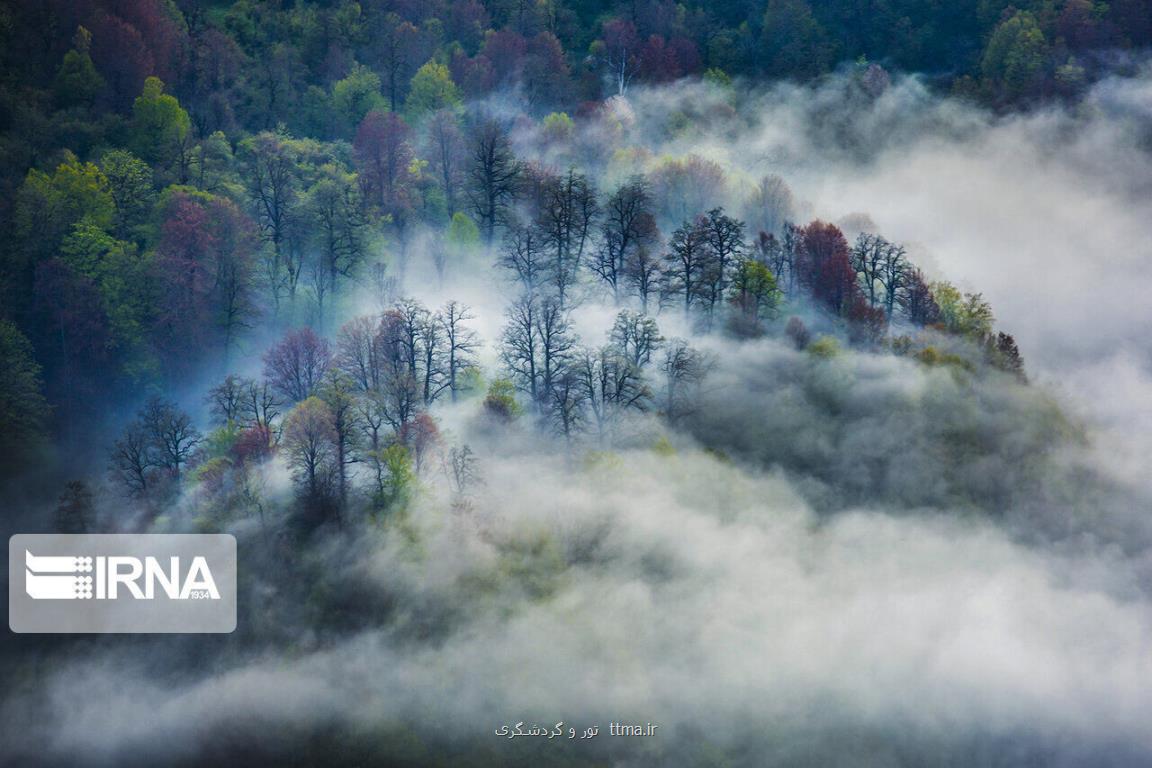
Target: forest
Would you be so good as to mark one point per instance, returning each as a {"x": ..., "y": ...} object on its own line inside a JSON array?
[{"x": 586, "y": 362}]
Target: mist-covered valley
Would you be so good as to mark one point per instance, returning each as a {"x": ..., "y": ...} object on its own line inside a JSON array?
[{"x": 807, "y": 418}]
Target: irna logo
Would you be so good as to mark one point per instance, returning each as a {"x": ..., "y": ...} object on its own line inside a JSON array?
[
  {"x": 71, "y": 577},
  {"x": 122, "y": 583}
]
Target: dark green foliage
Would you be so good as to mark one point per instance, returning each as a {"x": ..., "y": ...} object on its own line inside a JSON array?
[{"x": 23, "y": 409}]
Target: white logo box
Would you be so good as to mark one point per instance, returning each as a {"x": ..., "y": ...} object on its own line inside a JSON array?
[{"x": 127, "y": 583}]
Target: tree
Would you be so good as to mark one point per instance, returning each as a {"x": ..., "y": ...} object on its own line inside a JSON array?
[
  {"x": 636, "y": 337},
  {"x": 23, "y": 410},
  {"x": 271, "y": 165},
  {"x": 445, "y": 152},
  {"x": 333, "y": 205},
  {"x": 770, "y": 206},
  {"x": 205, "y": 261},
  {"x": 357, "y": 95},
  {"x": 683, "y": 369},
  {"x": 74, "y": 510},
  {"x": 48, "y": 207},
  {"x": 725, "y": 238},
  {"x": 684, "y": 188},
  {"x": 566, "y": 402},
  {"x": 170, "y": 434},
  {"x": 618, "y": 50},
  {"x": 500, "y": 401},
  {"x": 398, "y": 47},
  {"x": 259, "y": 405},
  {"x": 797, "y": 333},
  {"x": 754, "y": 294},
  {"x": 537, "y": 344},
  {"x": 161, "y": 130},
  {"x": 297, "y": 364},
  {"x": 565, "y": 223},
  {"x": 627, "y": 225},
  {"x": 688, "y": 262},
  {"x": 309, "y": 446},
  {"x": 419, "y": 436},
  {"x": 793, "y": 41},
  {"x": 226, "y": 400},
  {"x": 461, "y": 238},
  {"x": 432, "y": 89},
  {"x": 1015, "y": 57},
  {"x": 824, "y": 267},
  {"x": 383, "y": 157},
  {"x": 492, "y": 175},
  {"x": 916, "y": 300},
  {"x": 460, "y": 344},
  {"x": 133, "y": 460},
  {"x": 461, "y": 468},
  {"x": 337, "y": 394},
  {"x": 613, "y": 385},
  {"x": 1003, "y": 353},
  {"x": 360, "y": 353},
  {"x": 398, "y": 478},
  {"x": 130, "y": 185},
  {"x": 642, "y": 272},
  {"x": 78, "y": 83},
  {"x": 523, "y": 255},
  {"x": 964, "y": 314}
]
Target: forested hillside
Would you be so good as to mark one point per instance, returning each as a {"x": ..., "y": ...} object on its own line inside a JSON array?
[{"x": 588, "y": 361}]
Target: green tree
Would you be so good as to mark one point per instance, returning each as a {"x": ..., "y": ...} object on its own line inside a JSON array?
[
  {"x": 462, "y": 233},
  {"x": 130, "y": 184},
  {"x": 965, "y": 314},
  {"x": 23, "y": 410},
  {"x": 794, "y": 43},
  {"x": 161, "y": 130},
  {"x": 432, "y": 89},
  {"x": 398, "y": 479},
  {"x": 1015, "y": 58},
  {"x": 77, "y": 81},
  {"x": 47, "y": 207},
  {"x": 753, "y": 290},
  {"x": 123, "y": 277},
  {"x": 357, "y": 95}
]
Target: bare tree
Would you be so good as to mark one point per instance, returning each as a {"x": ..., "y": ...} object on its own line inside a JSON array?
[
  {"x": 226, "y": 400},
  {"x": 296, "y": 365},
  {"x": 537, "y": 344},
  {"x": 628, "y": 224},
  {"x": 566, "y": 402},
  {"x": 565, "y": 220},
  {"x": 259, "y": 406},
  {"x": 461, "y": 468},
  {"x": 523, "y": 255},
  {"x": 271, "y": 163},
  {"x": 689, "y": 262},
  {"x": 338, "y": 396},
  {"x": 725, "y": 238},
  {"x": 636, "y": 336},
  {"x": 644, "y": 276},
  {"x": 445, "y": 152},
  {"x": 460, "y": 343},
  {"x": 684, "y": 368},
  {"x": 771, "y": 205},
  {"x": 492, "y": 177},
  {"x": 613, "y": 386},
  {"x": 520, "y": 349},
  {"x": 133, "y": 459},
  {"x": 171, "y": 434},
  {"x": 358, "y": 352},
  {"x": 916, "y": 300}
]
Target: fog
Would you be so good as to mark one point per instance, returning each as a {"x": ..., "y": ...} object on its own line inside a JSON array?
[{"x": 853, "y": 561}]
